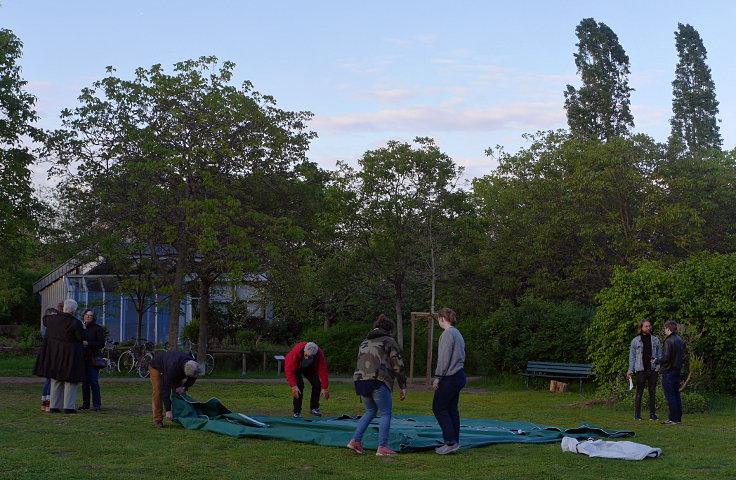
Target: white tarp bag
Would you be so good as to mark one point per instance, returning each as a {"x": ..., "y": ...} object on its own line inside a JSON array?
[{"x": 607, "y": 449}]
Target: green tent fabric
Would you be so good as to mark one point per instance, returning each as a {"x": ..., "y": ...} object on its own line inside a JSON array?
[{"x": 409, "y": 433}]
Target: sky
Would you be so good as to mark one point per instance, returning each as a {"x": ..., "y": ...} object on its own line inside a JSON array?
[{"x": 472, "y": 75}]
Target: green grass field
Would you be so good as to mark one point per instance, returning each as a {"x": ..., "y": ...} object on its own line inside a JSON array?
[{"x": 120, "y": 442}]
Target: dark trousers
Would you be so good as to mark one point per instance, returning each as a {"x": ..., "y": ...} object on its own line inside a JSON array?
[
  {"x": 445, "y": 406},
  {"x": 310, "y": 374},
  {"x": 91, "y": 383},
  {"x": 671, "y": 389},
  {"x": 646, "y": 378}
]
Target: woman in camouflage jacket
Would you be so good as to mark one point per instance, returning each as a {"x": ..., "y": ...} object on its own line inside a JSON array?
[{"x": 379, "y": 364}]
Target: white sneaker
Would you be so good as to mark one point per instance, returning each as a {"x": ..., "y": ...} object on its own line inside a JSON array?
[{"x": 445, "y": 449}]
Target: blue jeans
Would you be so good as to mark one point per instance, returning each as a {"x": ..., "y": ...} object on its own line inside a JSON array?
[
  {"x": 380, "y": 399},
  {"x": 671, "y": 389},
  {"x": 91, "y": 382},
  {"x": 444, "y": 406}
]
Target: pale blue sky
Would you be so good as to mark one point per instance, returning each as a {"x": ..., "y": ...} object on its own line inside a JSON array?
[{"x": 472, "y": 75}]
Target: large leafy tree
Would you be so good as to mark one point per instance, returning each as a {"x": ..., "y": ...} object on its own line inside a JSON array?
[
  {"x": 188, "y": 165},
  {"x": 18, "y": 208},
  {"x": 557, "y": 216},
  {"x": 600, "y": 108},
  {"x": 694, "y": 105},
  {"x": 401, "y": 196}
]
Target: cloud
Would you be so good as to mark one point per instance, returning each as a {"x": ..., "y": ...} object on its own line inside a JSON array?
[{"x": 446, "y": 117}]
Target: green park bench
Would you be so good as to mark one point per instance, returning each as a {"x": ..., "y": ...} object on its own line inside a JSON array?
[{"x": 561, "y": 371}]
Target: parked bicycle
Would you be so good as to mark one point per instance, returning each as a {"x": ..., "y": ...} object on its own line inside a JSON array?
[
  {"x": 136, "y": 358},
  {"x": 111, "y": 364},
  {"x": 191, "y": 347}
]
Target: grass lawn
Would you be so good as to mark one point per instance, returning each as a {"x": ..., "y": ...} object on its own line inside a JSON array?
[{"x": 120, "y": 442}]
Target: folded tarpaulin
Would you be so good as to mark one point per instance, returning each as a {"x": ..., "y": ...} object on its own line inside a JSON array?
[
  {"x": 605, "y": 449},
  {"x": 409, "y": 433}
]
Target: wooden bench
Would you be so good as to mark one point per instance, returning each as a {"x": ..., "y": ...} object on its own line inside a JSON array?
[{"x": 562, "y": 371}]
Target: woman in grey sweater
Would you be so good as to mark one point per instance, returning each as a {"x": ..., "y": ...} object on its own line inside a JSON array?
[{"x": 449, "y": 379}]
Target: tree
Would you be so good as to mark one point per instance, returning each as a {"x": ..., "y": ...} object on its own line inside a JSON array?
[
  {"x": 399, "y": 196},
  {"x": 600, "y": 108},
  {"x": 189, "y": 166},
  {"x": 19, "y": 210},
  {"x": 694, "y": 105}
]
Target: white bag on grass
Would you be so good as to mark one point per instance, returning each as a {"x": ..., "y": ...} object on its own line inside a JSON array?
[{"x": 607, "y": 449}]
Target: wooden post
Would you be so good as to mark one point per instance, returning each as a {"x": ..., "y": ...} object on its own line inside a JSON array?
[
  {"x": 244, "y": 369},
  {"x": 411, "y": 359}
]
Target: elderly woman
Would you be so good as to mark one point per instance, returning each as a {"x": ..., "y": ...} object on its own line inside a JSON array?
[
  {"x": 94, "y": 340},
  {"x": 379, "y": 364},
  {"x": 306, "y": 359},
  {"x": 449, "y": 379},
  {"x": 60, "y": 358}
]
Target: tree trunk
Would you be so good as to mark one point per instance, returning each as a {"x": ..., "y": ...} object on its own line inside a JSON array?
[
  {"x": 204, "y": 315},
  {"x": 329, "y": 318},
  {"x": 398, "y": 300},
  {"x": 175, "y": 305}
]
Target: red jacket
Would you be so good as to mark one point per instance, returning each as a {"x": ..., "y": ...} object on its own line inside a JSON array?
[{"x": 293, "y": 363}]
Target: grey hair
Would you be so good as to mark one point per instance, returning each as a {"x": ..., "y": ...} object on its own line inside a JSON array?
[
  {"x": 193, "y": 369},
  {"x": 70, "y": 305},
  {"x": 311, "y": 348}
]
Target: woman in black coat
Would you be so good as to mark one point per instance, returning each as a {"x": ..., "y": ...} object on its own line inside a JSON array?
[
  {"x": 60, "y": 358},
  {"x": 93, "y": 342}
]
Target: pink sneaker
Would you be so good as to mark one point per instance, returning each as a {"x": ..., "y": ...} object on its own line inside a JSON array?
[
  {"x": 357, "y": 447},
  {"x": 385, "y": 452}
]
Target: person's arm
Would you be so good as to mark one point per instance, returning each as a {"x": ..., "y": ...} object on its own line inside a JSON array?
[
  {"x": 632, "y": 358},
  {"x": 397, "y": 365},
  {"x": 444, "y": 353},
  {"x": 290, "y": 367},
  {"x": 666, "y": 354},
  {"x": 165, "y": 390},
  {"x": 322, "y": 369}
]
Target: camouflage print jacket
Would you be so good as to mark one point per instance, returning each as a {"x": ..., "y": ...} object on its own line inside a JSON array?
[{"x": 379, "y": 358}]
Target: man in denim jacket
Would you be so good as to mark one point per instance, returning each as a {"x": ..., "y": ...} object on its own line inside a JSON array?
[{"x": 644, "y": 351}]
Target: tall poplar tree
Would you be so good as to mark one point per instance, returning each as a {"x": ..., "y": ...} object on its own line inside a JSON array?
[
  {"x": 600, "y": 108},
  {"x": 694, "y": 105}
]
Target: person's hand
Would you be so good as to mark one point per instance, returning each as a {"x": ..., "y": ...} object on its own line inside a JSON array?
[
  {"x": 295, "y": 392},
  {"x": 629, "y": 374},
  {"x": 402, "y": 394},
  {"x": 326, "y": 394},
  {"x": 85, "y": 342},
  {"x": 180, "y": 390},
  {"x": 169, "y": 416},
  {"x": 436, "y": 383}
]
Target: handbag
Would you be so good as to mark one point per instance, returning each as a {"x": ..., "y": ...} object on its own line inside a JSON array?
[{"x": 99, "y": 362}]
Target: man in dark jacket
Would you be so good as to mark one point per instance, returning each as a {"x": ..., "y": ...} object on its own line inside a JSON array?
[
  {"x": 170, "y": 371},
  {"x": 671, "y": 364},
  {"x": 60, "y": 358}
]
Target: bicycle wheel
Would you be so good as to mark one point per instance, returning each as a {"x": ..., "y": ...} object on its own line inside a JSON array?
[
  {"x": 111, "y": 366},
  {"x": 143, "y": 365},
  {"x": 209, "y": 364},
  {"x": 126, "y": 362}
]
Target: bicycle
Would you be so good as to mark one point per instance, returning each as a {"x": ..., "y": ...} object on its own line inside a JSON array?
[
  {"x": 191, "y": 347},
  {"x": 137, "y": 358},
  {"x": 110, "y": 364}
]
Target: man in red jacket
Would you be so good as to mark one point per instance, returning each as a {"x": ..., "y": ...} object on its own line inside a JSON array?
[{"x": 306, "y": 359}]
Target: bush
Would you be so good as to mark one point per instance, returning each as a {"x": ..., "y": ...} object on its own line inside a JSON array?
[
  {"x": 534, "y": 330},
  {"x": 697, "y": 293}
]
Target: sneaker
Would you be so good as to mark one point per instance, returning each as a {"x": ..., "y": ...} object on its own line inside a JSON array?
[
  {"x": 445, "y": 449},
  {"x": 357, "y": 447},
  {"x": 670, "y": 422},
  {"x": 637, "y": 417},
  {"x": 385, "y": 452},
  {"x": 69, "y": 410},
  {"x": 83, "y": 408},
  {"x": 653, "y": 417},
  {"x": 159, "y": 424},
  {"x": 315, "y": 412},
  {"x": 297, "y": 414},
  {"x": 54, "y": 410}
]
